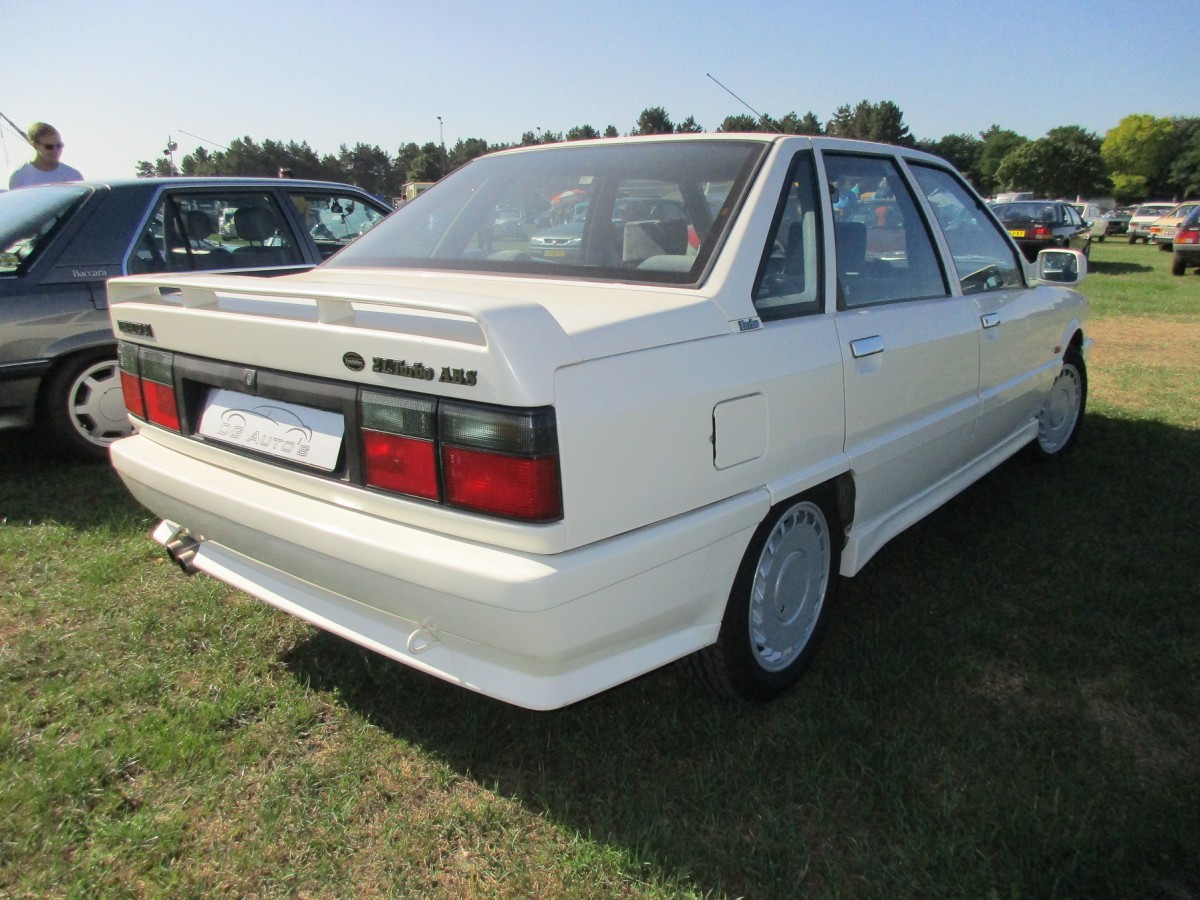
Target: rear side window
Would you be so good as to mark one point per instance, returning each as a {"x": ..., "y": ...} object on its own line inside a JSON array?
[
  {"x": 191, "y": 231},
  {"x": 984, "y": 258},
  {"x": 884, "y": 250},
  {"x": 333, "y": 220},
  {"x": 790, "y": 274},
  {"x": 29, "y": 219}
]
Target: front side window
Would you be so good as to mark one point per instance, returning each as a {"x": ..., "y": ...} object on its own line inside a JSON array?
[
  {"x": 334, "y": 220},
  {"x": 190, "y": 231},
  {"x": 653, "y": 211},
  {"x": 790, "y": 275},
  {"x": 884, "y": 250},
  {"x": 984, "y": 259},
  {"x": 30, "y": 218}
]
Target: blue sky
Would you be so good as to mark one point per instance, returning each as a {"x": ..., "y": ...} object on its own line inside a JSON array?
[{"x": 117, "y": 78}]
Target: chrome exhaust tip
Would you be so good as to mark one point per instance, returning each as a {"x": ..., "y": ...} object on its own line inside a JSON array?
[{"x": 182, "y": 550}]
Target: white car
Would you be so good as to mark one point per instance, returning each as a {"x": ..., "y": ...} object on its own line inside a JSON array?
[
  {"x": 539, "y": 478},
  {"x": 1145, "y": 216}
]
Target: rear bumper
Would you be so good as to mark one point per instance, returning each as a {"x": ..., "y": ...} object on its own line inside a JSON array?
[{"x": 540, "y": 631}]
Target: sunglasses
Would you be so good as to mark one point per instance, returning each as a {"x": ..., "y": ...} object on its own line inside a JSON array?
[{"x": 57, "y": 146}]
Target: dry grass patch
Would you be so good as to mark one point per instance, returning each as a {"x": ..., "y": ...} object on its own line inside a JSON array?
[{"x": 1128, "y": 348}]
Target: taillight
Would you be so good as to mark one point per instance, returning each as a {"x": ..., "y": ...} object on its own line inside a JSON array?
[
  {"x": 398, "y": 443},
  {"x": 158, "y": 388},
  {"x": 131, "y": 379},
  {"x": 148, "y": 384},
  {"x": 500, "y": 461},
  {"x": 1041, "y": 232},
  {"x": 1187, "y": 237},
  {"x": 486, "y": 459}
]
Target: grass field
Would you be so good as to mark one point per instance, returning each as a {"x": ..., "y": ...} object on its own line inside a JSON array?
[{"x": 1005, "y": 705}]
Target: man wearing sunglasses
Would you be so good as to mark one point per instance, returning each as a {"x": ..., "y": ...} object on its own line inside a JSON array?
[{"x": 45, "y": 167}]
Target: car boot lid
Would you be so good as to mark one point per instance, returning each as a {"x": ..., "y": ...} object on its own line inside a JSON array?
[{"x": 492, "y": 339}]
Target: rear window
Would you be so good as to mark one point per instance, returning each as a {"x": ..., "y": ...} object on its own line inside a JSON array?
[
  {"x": 654, "y": 212},
  {"x": 29, "y": 219}
]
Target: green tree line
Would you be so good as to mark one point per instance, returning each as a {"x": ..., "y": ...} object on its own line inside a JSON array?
[{"x": 1142, "y": 157}]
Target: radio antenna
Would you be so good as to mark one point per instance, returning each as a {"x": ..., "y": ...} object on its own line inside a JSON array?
[
  {"x": 15, "y": 127},
  {"x": 761, "y": 117}
]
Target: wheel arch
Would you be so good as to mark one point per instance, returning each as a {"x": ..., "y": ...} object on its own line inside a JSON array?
[{"x": 69, "y": 353}]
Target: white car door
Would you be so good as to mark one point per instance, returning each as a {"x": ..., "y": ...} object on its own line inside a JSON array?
[
  {"x": 1018, "y": 337},
  {"x": 910, "y": 348}
]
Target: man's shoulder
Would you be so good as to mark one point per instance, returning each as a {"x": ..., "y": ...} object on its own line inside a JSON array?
[
  {"x": 19, "y": 176},
  {"x": 29, "y": 175}
]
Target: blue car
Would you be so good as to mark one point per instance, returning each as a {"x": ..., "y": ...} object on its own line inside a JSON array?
[{"x": 60, "y": 243}]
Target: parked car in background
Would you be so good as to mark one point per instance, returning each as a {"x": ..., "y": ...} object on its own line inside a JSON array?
[
  {"x": 1013, "y": 196},
  {"x": 1038, "y": 224},
  {"x": 564, "y": 243},
  {"x": 540, "y": 477},
  {"x": 1089, "y": 210},
  {"x": 1144, "y": 216},
  {"x": 1187, "y": 244},
  {"x": 1115, "y": 221},
  {"x": 1162, "y": 229},
  {"x": 60, "y": 243}
]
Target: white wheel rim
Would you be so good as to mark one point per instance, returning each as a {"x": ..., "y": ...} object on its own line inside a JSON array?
[
  {"x": 96, "y": 406},
  {"x": 789, "y": 586},
  {"x": 1060, "y": 412}
]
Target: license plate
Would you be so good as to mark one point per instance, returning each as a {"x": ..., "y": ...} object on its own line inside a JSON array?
[
  {"x": 1017, "y": 232},
  {"x": 556, "y": 252},
  {"x": 300, "y": 434}
]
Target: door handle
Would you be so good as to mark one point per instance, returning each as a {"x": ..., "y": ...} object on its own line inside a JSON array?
[
  {"x": 867, "y": 346},
  {"x": 990, "y": 320}
]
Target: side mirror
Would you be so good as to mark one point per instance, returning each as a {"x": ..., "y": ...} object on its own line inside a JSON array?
[{"x": 1061, "y": 266}]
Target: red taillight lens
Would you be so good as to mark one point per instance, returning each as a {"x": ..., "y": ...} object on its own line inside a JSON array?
[
  {"x": 400, "y": 464},
  {"x": 148, "y": 384},
  {"x": 158, "y": 388},
  {"x": 500, "y": 461},
  {"x": 1187, "y": 237},
  {"x": 503, "y": 485},
  {"x": 1041, "y": 232},
  {"x": 398, "y": 448},
  {"x": 131, "y": 386}
]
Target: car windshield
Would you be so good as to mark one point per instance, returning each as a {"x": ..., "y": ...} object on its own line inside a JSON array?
[
  {"x": 28, "y": 218},
  {"x": 645, "y": 211}
]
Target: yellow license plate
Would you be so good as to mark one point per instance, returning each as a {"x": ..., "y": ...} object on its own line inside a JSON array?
[
  {"x": 556, "y": 252},
  {"x": 1017, "y": 232}
]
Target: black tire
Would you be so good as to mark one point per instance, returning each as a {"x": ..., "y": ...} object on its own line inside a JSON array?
[
  {"x": 83, "y": 409},
  {"x": 1165, "y": 248},
  {"x": 1061, "y": 415},
  {"x": 1133, "y": 239},
  {"x": 779, "y": 604},
  {"x": 1178, "y": 267}
]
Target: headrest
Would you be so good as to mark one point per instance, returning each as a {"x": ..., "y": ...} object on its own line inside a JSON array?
[
  {"x": 199, "y": 225},
  {"x": 251, "y": 223}
]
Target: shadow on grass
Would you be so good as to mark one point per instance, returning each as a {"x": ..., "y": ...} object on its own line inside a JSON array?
[
  {"x": 1003, "y": 697},
  {"x": 1101, "y": 267},
  {"x": 38, "y": 485}
]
